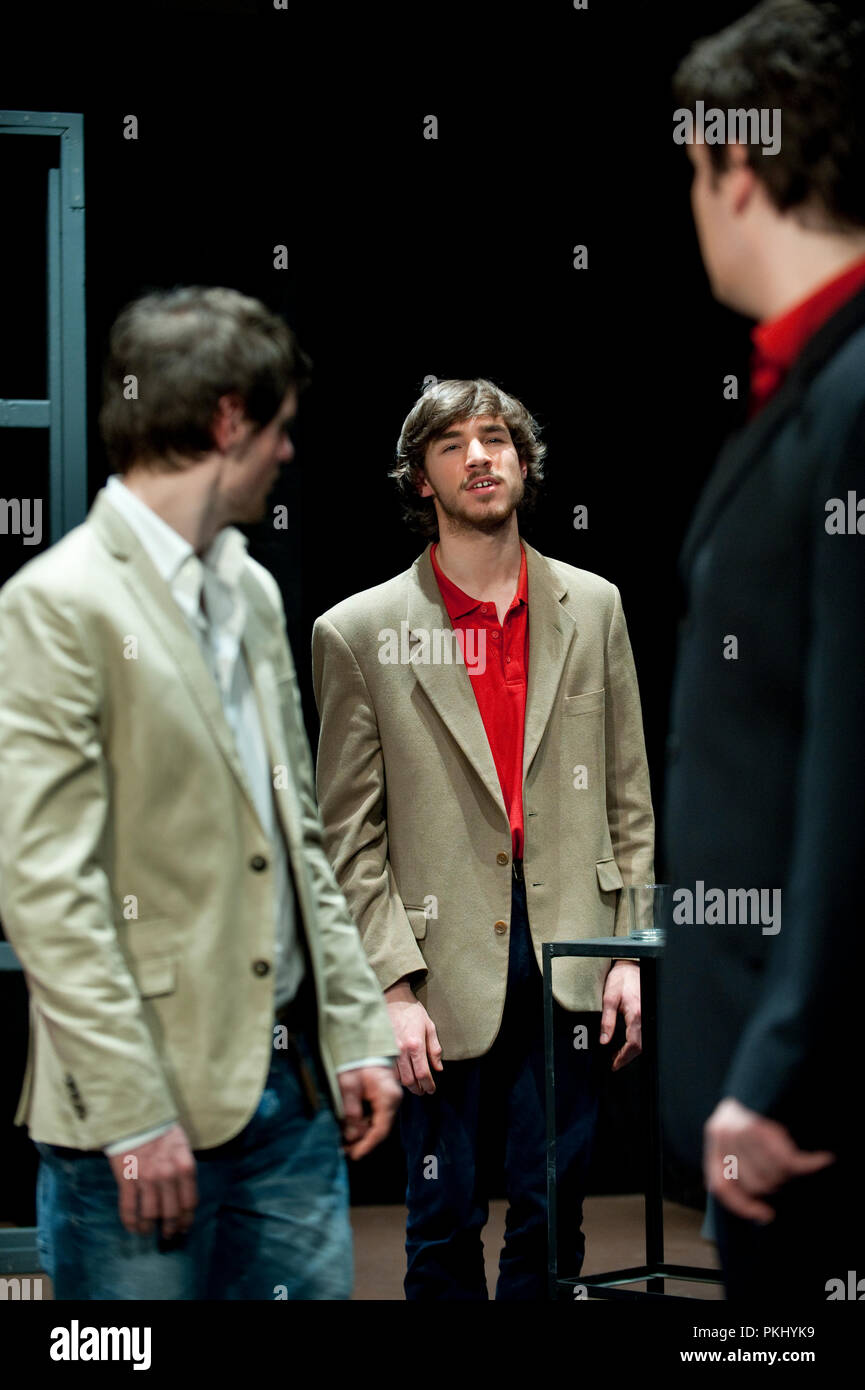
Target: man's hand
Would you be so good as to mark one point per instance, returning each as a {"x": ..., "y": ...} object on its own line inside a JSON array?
[
  {"x": 416, "y": 1038},
  {"x": 379, "y": 1086},
  {"x": 765, "y": 1157},
  {"x": 622, "y": 995},
  {"x": 160, "y": 1184}
]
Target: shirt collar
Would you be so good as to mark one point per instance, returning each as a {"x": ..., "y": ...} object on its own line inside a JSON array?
[
  {"x": 780, "y": 340},
  {"x": 458, "y": 603},
  {"x": 171, "y": 553}
]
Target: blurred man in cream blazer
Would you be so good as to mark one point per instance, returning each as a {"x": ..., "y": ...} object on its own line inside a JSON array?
[
  {"x": 202, "y": 1012},
  {"x": 484, "y": 788}
]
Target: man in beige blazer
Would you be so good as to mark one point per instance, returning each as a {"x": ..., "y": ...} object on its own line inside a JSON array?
[
  {"x": 201, "y": 1007},
  {"x": 483, "y": 784}
]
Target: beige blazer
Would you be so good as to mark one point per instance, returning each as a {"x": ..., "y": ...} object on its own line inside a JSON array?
[
  {"x": 121, "y": 790},
  {"x": 415, "y": 823}
]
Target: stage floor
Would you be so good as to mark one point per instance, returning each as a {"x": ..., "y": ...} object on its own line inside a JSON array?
[
  {"x": 613, "y": 1227},
  {"x": 614, "y": 1240}
]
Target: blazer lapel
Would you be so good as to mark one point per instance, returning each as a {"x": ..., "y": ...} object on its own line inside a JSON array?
[
  {"x": 155, "y": 600},
  {"x": 746, "y": 447},
  {"x": 736, "y": 458},
  {"x": 552, "y": 630},
  {"x": 258, "y": 643},
  {"x": 551, "y": 633},
  {"x": 448, "y": 687}
]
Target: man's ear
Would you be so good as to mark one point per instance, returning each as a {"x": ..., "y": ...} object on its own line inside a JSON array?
[
  {"x": 420, "y": 482},
  {"x": 228, "y": 418},
  {"x": 741, "y": 179}
]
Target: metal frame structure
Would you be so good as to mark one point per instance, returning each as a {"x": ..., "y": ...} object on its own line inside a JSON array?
[
  {"x": 63, "y": 414},
  {"x": 611, "y": 1285}
]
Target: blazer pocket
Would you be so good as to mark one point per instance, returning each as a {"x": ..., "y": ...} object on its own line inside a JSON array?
[
  {"x": 588, "y": 703},
  {"x": 418, "y": 919},
  {"x": 153, "y": 952},
  {"x": 609, "y": 876},
  {"x": 156, "y": 975}
]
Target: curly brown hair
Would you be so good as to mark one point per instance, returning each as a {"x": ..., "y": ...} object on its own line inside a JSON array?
[{"x": 443, "y": 404}]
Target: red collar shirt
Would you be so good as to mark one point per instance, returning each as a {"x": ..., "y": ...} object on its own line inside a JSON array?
[
  {"x": 778, "y": 342},
  {"x": 499, "y": 681}
]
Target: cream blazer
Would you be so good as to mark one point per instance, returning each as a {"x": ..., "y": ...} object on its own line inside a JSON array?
[
  {"x": 415, "y": 823},
  {"x": 134, "y": 872}
]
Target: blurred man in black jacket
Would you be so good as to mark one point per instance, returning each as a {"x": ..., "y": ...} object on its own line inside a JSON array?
[{"x": 766, "y": 783}]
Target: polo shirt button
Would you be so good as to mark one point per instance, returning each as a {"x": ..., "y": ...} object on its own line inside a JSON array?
[
  {"x": 260, "y": 967},
  {"x": 258, "y": 862},
  {"x": 501, "y": 857},
  {"x": 500, "y": 928}
]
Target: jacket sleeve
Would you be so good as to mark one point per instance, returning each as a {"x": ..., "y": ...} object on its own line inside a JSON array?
[
  {"x": 55, "y": 896},
  {"x": 354, "y": 1019},
  {"x": 352, "y": 795},
  {"x": 804, "y": 1030},
  {"x": 629, "y": 800}
]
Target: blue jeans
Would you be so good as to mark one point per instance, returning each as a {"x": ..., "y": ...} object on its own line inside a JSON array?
[
  {"x": 271, "y": 1222},
  {"x": 488, "y": 1113}
]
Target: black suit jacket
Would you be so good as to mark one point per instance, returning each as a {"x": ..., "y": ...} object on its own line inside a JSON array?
[{"x": 766, "y": 776}]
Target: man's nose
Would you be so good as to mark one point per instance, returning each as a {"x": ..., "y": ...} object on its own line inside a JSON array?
[
  {"x": 286, "y": 453},
  {"x": 476, "y": 453}
]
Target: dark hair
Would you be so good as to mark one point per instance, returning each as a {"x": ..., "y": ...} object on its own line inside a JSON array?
[
  {"x": 185, "y": 348},
  {"x": 443, "y": 404},
  {"x": 806, "y": 60}
]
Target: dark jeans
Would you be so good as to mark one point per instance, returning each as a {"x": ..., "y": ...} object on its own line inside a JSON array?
[
  {"x": 271, "y": 1222},
  {"x": 488, "y": 1113}
]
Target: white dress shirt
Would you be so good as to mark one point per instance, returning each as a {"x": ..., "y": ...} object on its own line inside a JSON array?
[{"x": 207, "y": 591}]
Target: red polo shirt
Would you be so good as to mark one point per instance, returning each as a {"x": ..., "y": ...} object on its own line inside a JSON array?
[
  {"x": 500, "y": 682},
  {"x": 778, "y": 342}
]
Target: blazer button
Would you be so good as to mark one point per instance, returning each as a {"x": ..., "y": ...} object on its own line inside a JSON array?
[
  {"x": 258, "y": 862},
  {"x": 260, "y": 967},
  {"x": 500, "y": 928},
  {"x": 502, "y": 858}
]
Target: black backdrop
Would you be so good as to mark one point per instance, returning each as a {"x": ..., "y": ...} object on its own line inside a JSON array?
[{"x": 408, "y": 257}]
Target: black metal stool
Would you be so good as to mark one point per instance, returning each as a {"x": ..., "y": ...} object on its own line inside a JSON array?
[{"x": 655, "y": 1270}]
